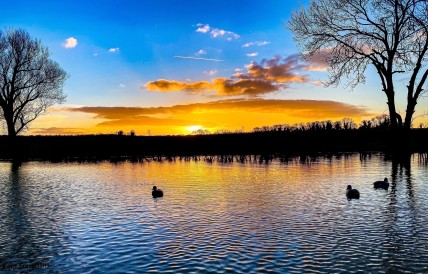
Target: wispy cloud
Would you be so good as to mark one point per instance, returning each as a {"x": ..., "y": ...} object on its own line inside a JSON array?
[
  {"x": 253, "y": 54},
  {"x": 256, "y": 43},
  {"x": 211, "y": 72},
  {"x": 57, "y": 131},
  {"x": 318, "y": 83},
  {"x": 198, "y": 58},
  {"x": 113, "y": 50},
  {"x": 70, "y": 43},
  {"x": 201, "y": 52},
  {"x": 216, "y": 32},
  {"x": 122, "y": 85}
]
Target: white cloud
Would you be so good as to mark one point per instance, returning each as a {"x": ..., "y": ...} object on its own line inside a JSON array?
[
  {"x": 256, "y": 43},
  {"x": 220, "y": 32},
  {"x": 114, "y": 50},
  {"x": 216, "y": 32},
  {"x": 253, "y": 54},
  {"x": 238, "y": 70},
  {"x": 201, "y": 52},
  {"x": 95, "y": 54},
  {"x": 211, "y": 72},
  {"x": 122, "y": 85},
  {"x": 70, "y": 43},
  {"x": 203, "y": 28}
]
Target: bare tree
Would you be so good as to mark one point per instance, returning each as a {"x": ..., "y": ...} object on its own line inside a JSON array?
[
  {"x": 30, "y": 81},
  {"x": 391, "y": 35}
]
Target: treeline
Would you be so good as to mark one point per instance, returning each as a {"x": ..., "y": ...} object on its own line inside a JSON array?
[
  {"x": 105, "y": 147},
  {"x": 378, "y": 122},
  {"x": 313, "y": 137},
  {"x": 381, "y": 122}
]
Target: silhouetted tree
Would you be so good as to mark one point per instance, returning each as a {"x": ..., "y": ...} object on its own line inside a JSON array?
[
  {"x": 348, "y": 123},
  {"x": 381, "y": 121},
  {"x": 366, "y": 124},
  {"x": 391, "y": 35},
  {"x": 201, "y": 131},
  {"x": 337, "y": 125},
  {"x": 222, "y": 131},
  {"x": 30, "y": 81}
]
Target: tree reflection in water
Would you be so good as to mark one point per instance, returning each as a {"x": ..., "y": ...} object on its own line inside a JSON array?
[{"x": 25, "y": 243}]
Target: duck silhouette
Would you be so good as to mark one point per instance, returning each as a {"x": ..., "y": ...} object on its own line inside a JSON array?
[
  {"x": 157, "y": 192},
  {"x": 352, "y": 193},
  {"x": 382, "y": 184}
]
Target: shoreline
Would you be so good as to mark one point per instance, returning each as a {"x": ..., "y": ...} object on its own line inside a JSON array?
[{"x": 106, "y": 147}]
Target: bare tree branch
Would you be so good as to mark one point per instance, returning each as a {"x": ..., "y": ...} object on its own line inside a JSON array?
[
  {"x": 30, "y": 81},
  {"x": 391, "y": 35}
]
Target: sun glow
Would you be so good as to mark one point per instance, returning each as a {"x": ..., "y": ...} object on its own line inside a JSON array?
[{"x": 193, "y": 128}]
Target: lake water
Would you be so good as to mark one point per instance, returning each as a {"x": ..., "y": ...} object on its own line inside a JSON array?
[{"x": 215, "y": 217}]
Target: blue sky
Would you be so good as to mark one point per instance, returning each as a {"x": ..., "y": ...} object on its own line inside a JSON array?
[{"x": 123, "y": 45}]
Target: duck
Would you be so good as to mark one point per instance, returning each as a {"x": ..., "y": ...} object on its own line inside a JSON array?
[
  {"x": 381, "y": 184},
  {"x": 352, "y": 193},
  {"x": 157, "y": 192}
]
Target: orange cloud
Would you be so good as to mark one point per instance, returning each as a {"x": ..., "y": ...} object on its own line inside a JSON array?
[
  {"x": 261, "y": 105},
  {"x": 164, "y": 85},
  {"x": 275, "y": 70},
  {"x": 58, "y": 131},
  {"x": 222, "y": 86},
  {"x": 230, "y": 115},
  {"x": 249, "y": 87},
  {"x": 306, "y": 109},
  {"x": 146, "y": 121},
  {"x": 270, "y": 75}
]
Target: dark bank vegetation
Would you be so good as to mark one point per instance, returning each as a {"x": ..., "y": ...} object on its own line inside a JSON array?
[{"x": 314, "y": 137}]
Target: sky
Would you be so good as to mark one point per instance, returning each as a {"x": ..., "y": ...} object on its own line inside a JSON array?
[{"x": 163, "y": 67}]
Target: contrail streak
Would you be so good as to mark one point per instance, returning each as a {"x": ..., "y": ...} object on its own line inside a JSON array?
[{"x": 198, "y": 58}]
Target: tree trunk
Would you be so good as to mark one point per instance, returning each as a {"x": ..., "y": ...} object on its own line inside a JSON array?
[
  {"x": 8, "y": 116},
  {"x": 411, "y": 104},
  {"x": 11, "y": 129},
  {"x": 392, "y": 110}
]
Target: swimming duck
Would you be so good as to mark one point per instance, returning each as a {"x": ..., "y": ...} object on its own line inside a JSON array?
[
  {"x": 157, "y": 192},
  {"x": 381, "y": 184},
  {"x": 352, "y": 193}
]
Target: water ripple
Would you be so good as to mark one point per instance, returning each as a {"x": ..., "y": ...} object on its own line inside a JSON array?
[{"x": 234, "y": 218}]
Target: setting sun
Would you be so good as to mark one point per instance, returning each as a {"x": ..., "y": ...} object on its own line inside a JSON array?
[{"x": 193, "y": 128}]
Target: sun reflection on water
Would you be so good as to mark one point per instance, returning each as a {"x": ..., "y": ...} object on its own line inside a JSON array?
[{"x": 245, "y": 217}]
